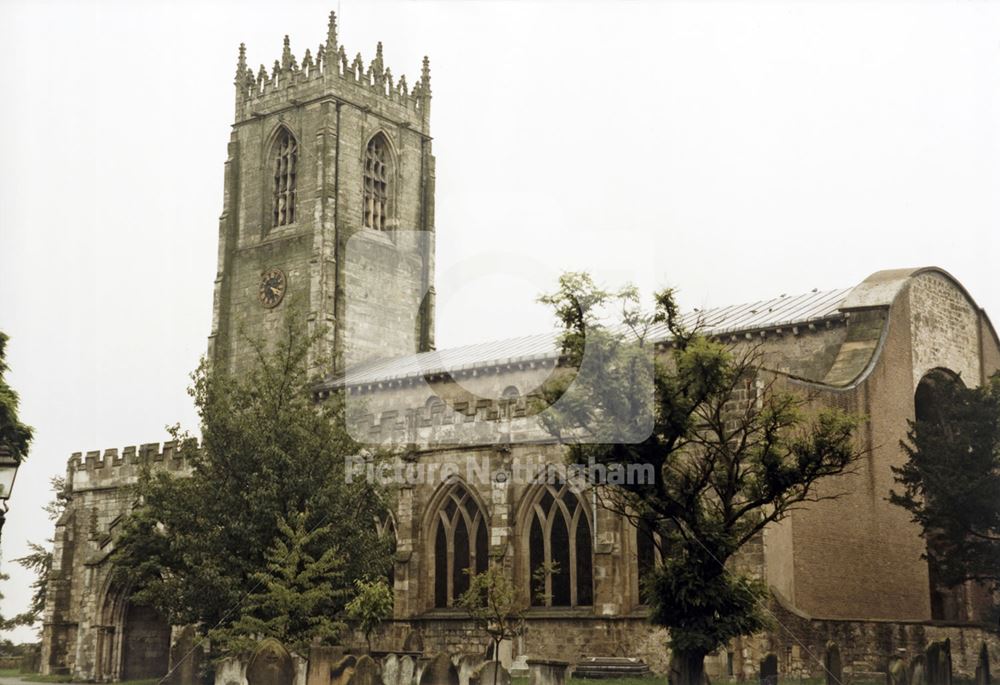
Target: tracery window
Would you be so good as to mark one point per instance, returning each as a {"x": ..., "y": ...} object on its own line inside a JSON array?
[
  {"x": 385, "y": 527},
  {"x": 285, "y": 160},
  {"x": 560, "y": 549},
  {"x": 647, "y": 554},
  {"x": 461, "y": 544},
  {"x": 377, "y": 170}
]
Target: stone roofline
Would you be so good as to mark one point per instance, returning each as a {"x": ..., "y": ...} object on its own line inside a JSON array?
[
  {"x": 112, "y": 469},
  {"x": 289, "y": 83}
]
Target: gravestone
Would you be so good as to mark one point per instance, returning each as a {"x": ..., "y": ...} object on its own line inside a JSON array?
[
  {"x": 896, "y": 674},
  {"x": 186, "y": 656},
  {"x": 832, "y": 665},
  {"x": 547, "y": 671},
  {"x": 390, "y": 670},
  {"x": 938, "y": 663},
  {"x": 321, "y": 661},
  {"x": 769, "y": 670},
  {"x": 407, "y": 670},
  {"x": 467, "y": 665},
  {"x": 490, "y": 673},
  {"x": 271, "y": 664},
  {"x": 413, "y": 642},
  {"x": 983, "y": 666},
  {"x": 342, "y": 671},
  {"x": 365, "y": 672},
  {"x": 439, "y": 671},
  {"x": 918, "y": 671}
]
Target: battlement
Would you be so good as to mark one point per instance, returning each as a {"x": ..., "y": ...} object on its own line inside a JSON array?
[
  {"x": 327, "y": 71},
  {"x": 95, "y": 469}
]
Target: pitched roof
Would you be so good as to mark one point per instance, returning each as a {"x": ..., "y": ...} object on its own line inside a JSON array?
[{"x": 776, "y": 312}]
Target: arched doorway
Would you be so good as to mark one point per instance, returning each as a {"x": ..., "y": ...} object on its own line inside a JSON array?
[
  {"x": 133, "y": 640},
  {"x": 948, "y": 603}
]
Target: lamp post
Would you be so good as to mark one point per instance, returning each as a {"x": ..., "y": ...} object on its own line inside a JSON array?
[{"x": 8, "y": 471}]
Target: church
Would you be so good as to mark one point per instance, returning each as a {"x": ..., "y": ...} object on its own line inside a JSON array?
[{"x": 328, "y": 202}]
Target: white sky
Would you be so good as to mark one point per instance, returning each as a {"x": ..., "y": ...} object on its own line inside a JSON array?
[{"x": 736, "y": 150}]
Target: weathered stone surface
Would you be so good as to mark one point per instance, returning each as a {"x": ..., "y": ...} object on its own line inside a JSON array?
[
  {"x": 343, "y": 670},
  {"x": 983, "y": 666},
  {"x": 439, "y": 671},
  {"x": 547, "y": 671},
  {"x": 413, "y": 642},
  {"x": 407, "y": 670},
  {"x": 186, "y": 659},
  {"x": 321, "y": 661},
  {"x": 467, "y": 665},
  {"x": 490, "y": 673},
  {"x": 271, "y": 664},
  {"x": 833, "y": 669},
  {"x": 769, "y": 670},
  {"x": 896, "y": 672},
  {"x": 938, "y": 657},
  {"x": 918, "y": 670},
  {"x": 390, "y": 669},
  {"x": 366, "y": 672}
]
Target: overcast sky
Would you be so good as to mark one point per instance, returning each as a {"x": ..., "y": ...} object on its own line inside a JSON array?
[{"x": 736, "y": 151}]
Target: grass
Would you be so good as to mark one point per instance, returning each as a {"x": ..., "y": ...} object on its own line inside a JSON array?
[{"x": 38, "y": 678}]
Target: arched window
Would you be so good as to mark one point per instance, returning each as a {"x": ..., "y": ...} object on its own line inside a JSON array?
[
  {"x": 385, "y": 527},
  {"x": 647, "y": 554},
  {"x": 461, "y": 544},
  {"x": 560, "y": 551},
  {"x": 378, "y": 161},
  {"x": 284, "y": 163}
]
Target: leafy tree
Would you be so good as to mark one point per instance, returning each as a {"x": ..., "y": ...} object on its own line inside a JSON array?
[
  {"x": 193, "y": 547},
  {"x": 728, "y": 453},
  {"x": 371, "y": 605},
  {"x": 298, "y": 595},
  {"x": 14, "y": 435},
  {"x": 494, "y": 604},
  {"x": 951, "y": 480}
]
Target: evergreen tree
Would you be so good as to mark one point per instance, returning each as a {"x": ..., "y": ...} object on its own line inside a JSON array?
[
  {"x": 193, "y": 547},
  {"x": 296, "y": 597},
  {"x": 951, "y": 480},
  {"x": 14, "y": 435}
]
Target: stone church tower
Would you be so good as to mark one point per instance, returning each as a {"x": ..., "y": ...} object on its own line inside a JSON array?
[{"x": 328, "y": 207}]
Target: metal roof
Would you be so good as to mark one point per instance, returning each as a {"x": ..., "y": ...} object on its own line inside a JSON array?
[{"x": 777, "y": 312}]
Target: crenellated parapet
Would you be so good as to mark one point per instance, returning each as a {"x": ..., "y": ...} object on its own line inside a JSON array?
[
  {"x": 112, "y": 469},
  {"x": 327, "y": 71}
]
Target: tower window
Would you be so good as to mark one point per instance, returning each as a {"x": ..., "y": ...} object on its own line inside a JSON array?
[
  {"x": 377, "y": 159},
  {"x": 461, "y": 545},
  {"x": 286, "y": 153},
  {"x": 560, "y": 552}
]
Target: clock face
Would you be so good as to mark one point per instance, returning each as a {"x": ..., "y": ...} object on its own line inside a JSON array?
[{"x": 272, "y": 287}]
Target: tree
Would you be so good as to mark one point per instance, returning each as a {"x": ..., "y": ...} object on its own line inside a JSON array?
[
  {"x": 951, "y": 480},
  {"x": 193, "y": 547},
  {"x": 728, "y": 453},
  {"x": 495, "y": 605},
  {"x": 39, "y": 560},
  {"x": 298, "y": 595},
  {"x": 14, "y": 435},
  {"x": 371, "y": 605}
]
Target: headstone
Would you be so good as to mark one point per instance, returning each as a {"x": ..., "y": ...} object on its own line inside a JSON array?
[
  {"x": 186, "y": 657},
  {"x": 271, "y": 664},
  {"x": 547, "y": 671},
  {"x": 413, "y": 642},
  {"x": 321, "y": 661},
  {"x": 983, "y": 666},
  {"x": 491, "y": 673},
  {"x": 939, "y": 663},
  {"x": 833, "y": 667},
  {"x": 229, "y": 671},
  {"x": 365, "y": 672},
  {"x": 896, "y": 674},
  {"x": 439, "y": 671},
  {"x": 769, "y": 670},
  {"x": 606, "y": 667},
  {"x": 390, "y": 670},
  {"x": 342, "y": 671},
  {"x": 918, "y": 671},
  {"x": 407, "y": 670},
  {"x": 467, "y": 665},
  {"x": 519, "y": 667}
]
